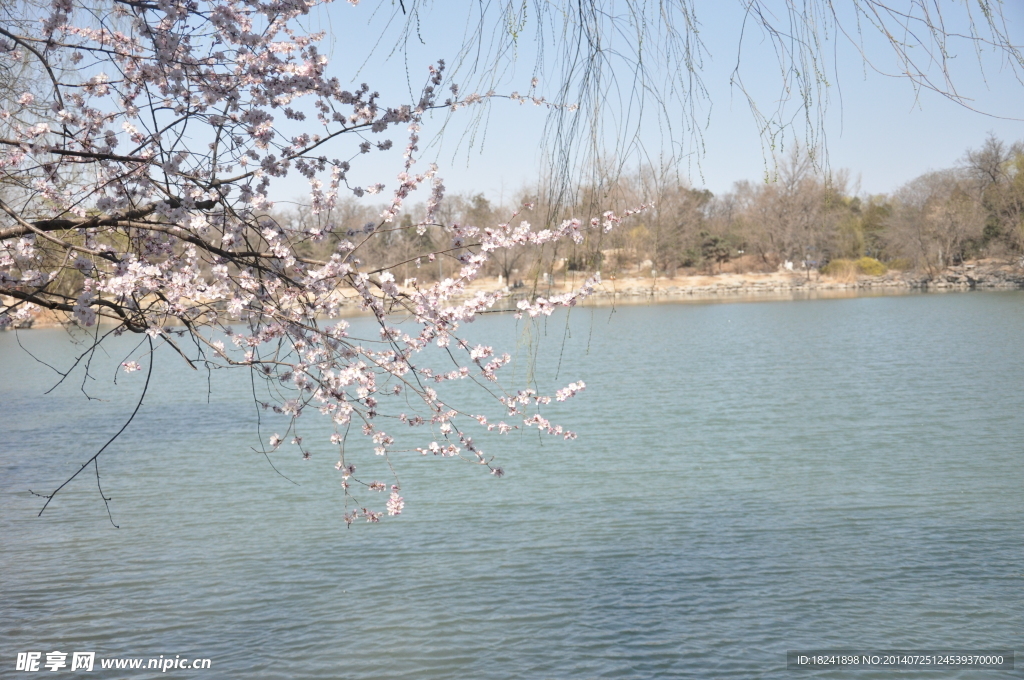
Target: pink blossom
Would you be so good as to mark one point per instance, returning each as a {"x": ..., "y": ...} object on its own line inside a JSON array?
[
  {"x": 395, "y": 504},
  {"x": 173, "y": 235}
]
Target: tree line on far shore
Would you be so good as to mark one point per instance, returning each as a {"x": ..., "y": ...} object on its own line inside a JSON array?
[{"x": 801, "y": 218}]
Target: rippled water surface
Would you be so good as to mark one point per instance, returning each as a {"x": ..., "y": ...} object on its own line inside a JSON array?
[{"x": 749, "y": 478}]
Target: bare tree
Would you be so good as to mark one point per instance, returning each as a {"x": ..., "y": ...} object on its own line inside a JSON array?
[
  {"x": 995, "y": 171},
  {"x": 936, "y": 220}
]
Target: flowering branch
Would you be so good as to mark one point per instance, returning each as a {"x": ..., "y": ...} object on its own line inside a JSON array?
[{"x": 177, "y": 236}]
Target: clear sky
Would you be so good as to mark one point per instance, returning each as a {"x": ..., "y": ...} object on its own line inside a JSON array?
[{"x": 876, "y": 126}]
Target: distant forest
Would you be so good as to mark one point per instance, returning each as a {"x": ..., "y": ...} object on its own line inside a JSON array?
[{"x": 802, "y": 215}]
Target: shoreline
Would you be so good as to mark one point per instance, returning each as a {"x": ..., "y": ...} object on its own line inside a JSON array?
[{"x": 728, "y": 287}]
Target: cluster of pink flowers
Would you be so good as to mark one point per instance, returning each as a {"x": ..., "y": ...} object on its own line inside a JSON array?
[{"x": 171, "y": 233}]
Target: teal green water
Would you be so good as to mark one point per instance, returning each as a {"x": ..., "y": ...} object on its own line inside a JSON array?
[{"x": 749, "y": 478}]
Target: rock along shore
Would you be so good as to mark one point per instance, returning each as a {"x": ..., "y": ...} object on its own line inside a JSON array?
[
  {"x": 984, "y": 275},
  {"x": 980, "y": 275}
]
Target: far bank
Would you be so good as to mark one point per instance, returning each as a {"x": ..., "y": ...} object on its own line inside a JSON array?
[{"x": 779, "y": 285}]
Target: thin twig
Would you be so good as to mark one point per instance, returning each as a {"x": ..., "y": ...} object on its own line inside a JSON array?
[{"x": 145, "y": 389}]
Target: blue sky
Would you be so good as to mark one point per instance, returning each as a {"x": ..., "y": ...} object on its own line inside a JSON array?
[{"x": 877, "y": 127}]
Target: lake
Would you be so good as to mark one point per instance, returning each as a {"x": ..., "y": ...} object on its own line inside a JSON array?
[{"x": 749, "y": 478}]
